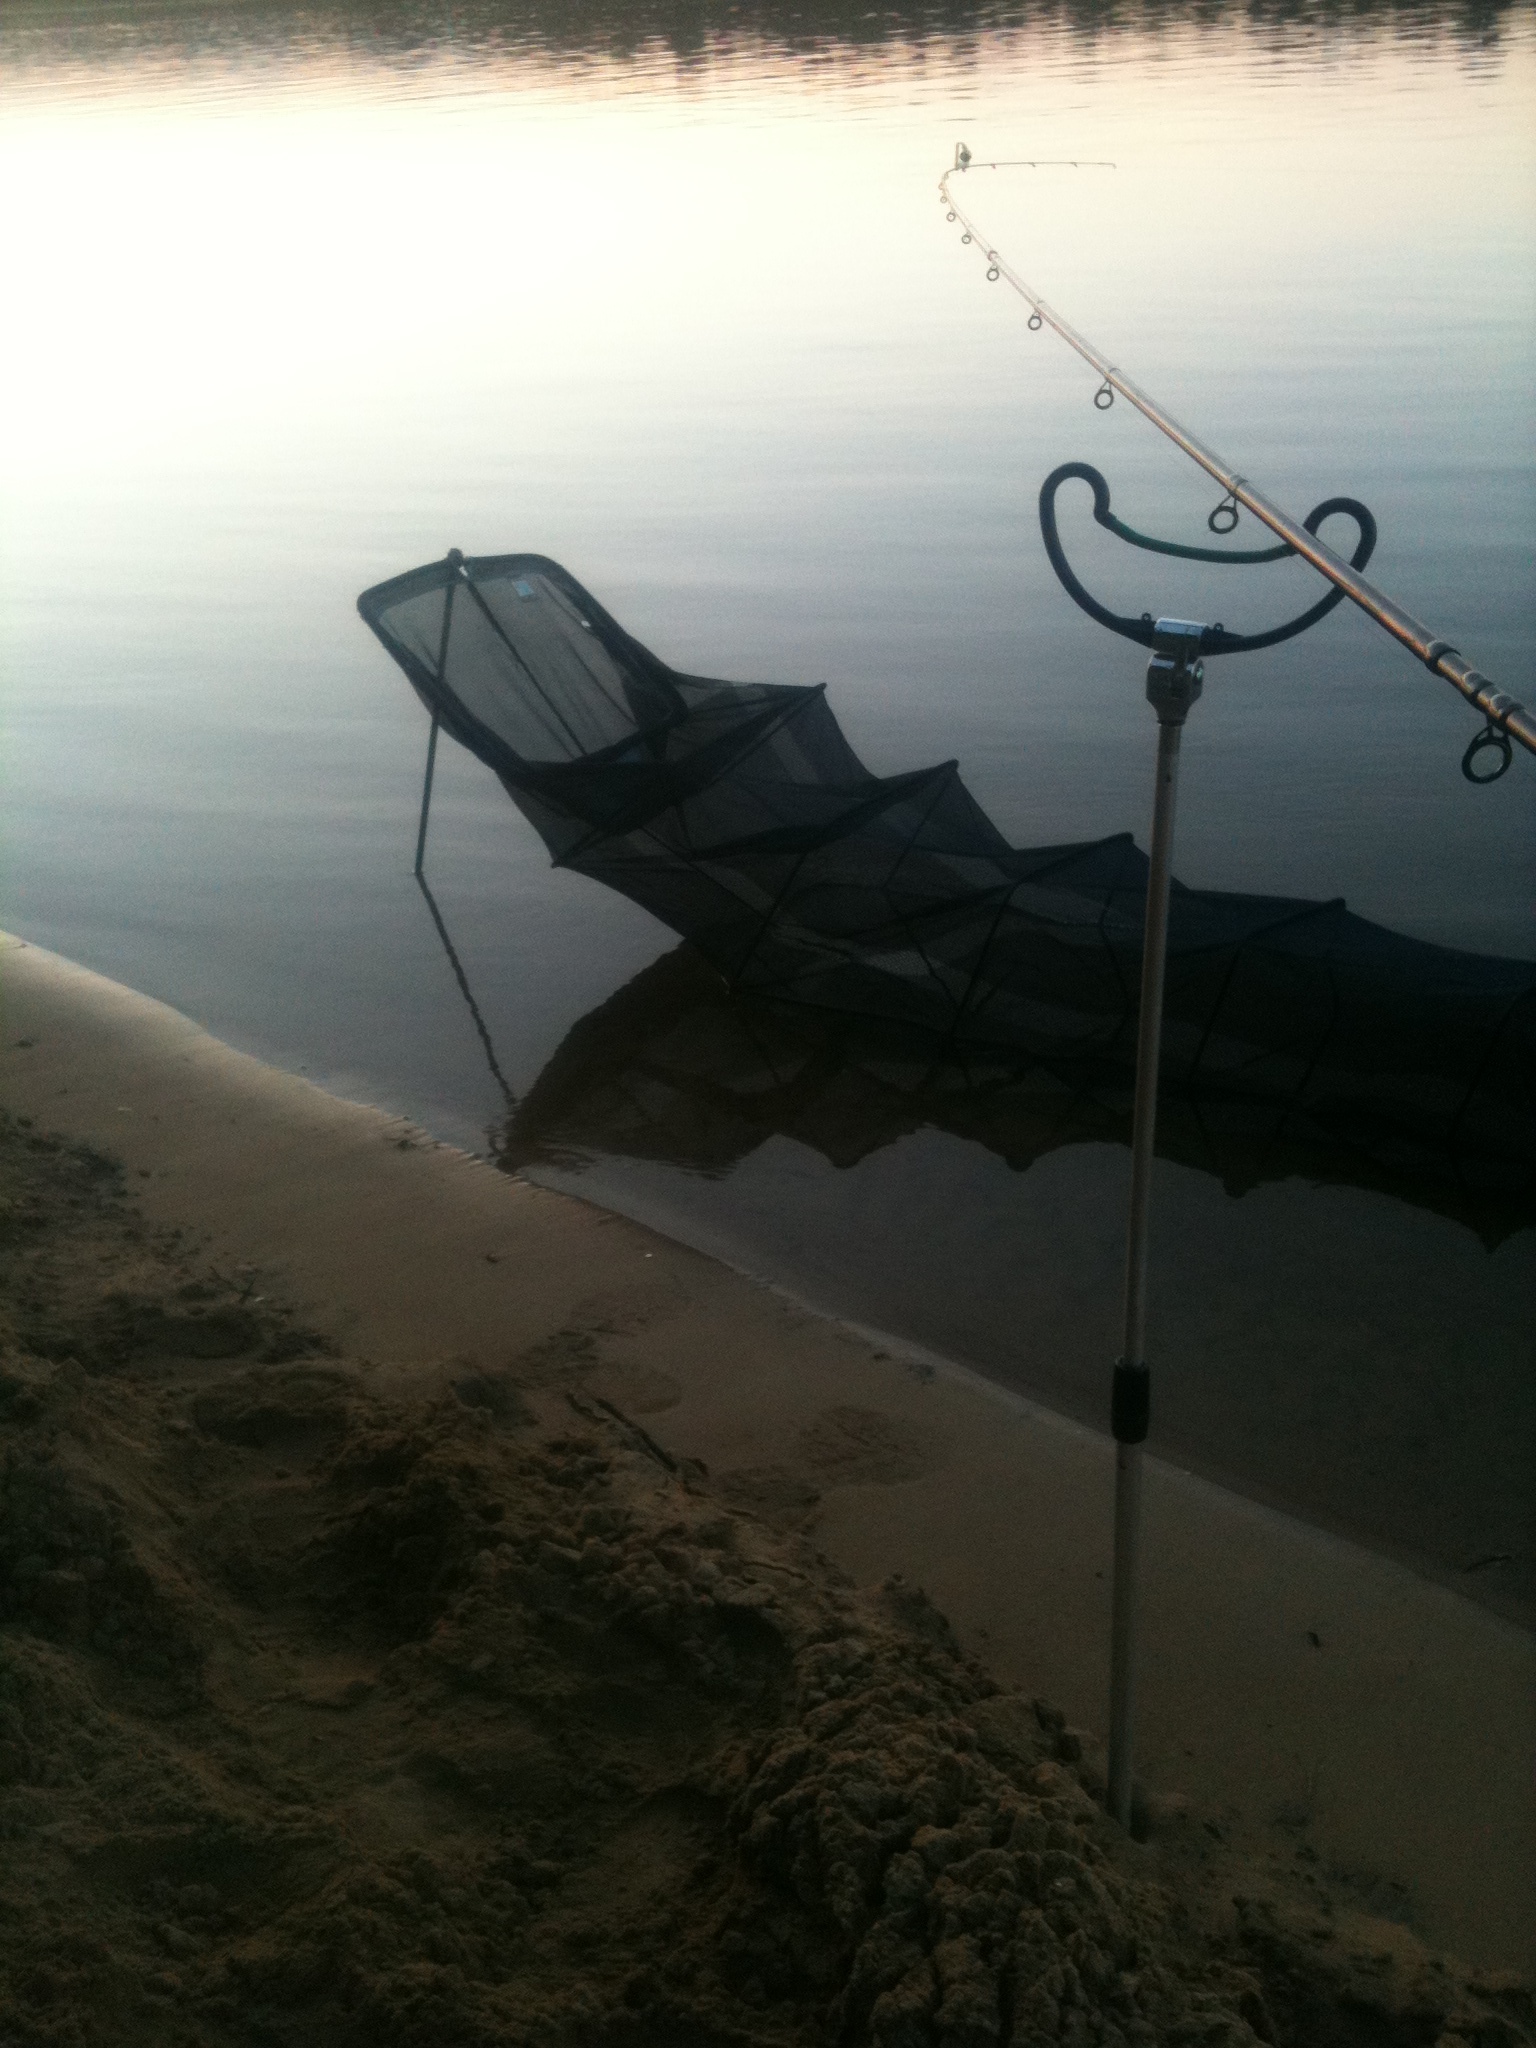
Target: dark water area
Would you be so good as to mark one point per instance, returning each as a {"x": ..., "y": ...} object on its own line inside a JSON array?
[{"x": 307, "y": 295}]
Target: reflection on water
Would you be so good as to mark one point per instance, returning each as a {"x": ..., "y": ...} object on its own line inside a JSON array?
[
  {"x": 407, "y": 30},
  {"x": 303, "y": 295},
  {"x": 482, "y": 1032},
  {"x": 97, "y": 29},
  {"x": 1323, "y": 1347},
  {"x": 674, "y": 1068}
]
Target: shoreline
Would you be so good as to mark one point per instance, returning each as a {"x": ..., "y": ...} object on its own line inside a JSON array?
[
  {"x": 1422, "y": 1564},
  {"x": 1307, "y": 1692}
]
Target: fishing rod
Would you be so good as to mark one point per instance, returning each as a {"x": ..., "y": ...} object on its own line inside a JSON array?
[{"x": 1507, "y": 718}]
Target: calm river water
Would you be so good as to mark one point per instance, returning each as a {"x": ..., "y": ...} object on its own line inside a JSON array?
[{"x": 300, "y": 299}]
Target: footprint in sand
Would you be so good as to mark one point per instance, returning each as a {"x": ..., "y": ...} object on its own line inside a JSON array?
[
  {"x": 865, "y": 1447},
  {"x": 638, "y": 1305},
  {"x": 774, "y": 1493},
  {"x": 637, "y": 1389},
  {"x": 844, "y": 1446}
]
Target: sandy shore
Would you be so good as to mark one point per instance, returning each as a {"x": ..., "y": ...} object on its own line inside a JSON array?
[{"x": 1311, "y": 1702}]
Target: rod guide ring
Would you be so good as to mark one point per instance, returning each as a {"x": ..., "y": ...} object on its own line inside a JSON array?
[{"x": 1492, "y": 738}]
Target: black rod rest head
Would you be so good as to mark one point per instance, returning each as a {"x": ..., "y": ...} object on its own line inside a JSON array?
[
  {"x": 1175, "y": 674},
  {"x": 1214, "y": 639}
]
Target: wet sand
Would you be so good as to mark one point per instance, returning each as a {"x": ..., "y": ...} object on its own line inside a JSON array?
[{"x": 1324, "y": 1716}]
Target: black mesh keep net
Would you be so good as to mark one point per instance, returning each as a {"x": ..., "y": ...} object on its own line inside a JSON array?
[{"x": 738, "y": 815}]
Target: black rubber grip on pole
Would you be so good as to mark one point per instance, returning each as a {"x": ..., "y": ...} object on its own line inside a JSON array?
[{"x": 1130, "y": 1404}]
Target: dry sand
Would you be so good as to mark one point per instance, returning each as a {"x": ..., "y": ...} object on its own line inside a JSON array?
[{"x": 435, "y": 1608}]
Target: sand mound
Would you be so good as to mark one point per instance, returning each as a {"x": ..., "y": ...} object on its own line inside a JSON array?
[{"x": 336, "y": 1706}]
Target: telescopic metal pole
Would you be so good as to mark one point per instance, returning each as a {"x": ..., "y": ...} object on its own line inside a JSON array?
[{"x": 1174, "y": 677}]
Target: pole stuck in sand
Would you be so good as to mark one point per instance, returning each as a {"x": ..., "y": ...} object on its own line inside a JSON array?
[{"x": 1174, "y": 679}]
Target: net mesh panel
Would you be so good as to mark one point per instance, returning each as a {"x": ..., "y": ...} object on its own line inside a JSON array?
[
  {"x": 417, "y": 624},
  {"x": 739, "y": 816}
]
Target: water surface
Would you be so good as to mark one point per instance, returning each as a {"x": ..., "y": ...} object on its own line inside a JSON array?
[{"x": 301, "y": 298}]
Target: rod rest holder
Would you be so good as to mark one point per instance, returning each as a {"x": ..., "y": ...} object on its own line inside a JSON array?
[{"x": 1213, "y": 639}]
